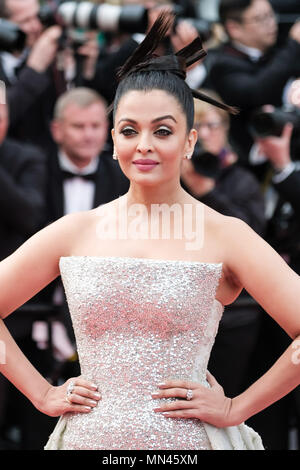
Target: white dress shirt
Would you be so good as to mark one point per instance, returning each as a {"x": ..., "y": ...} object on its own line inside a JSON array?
[
  {"x": 10, "y": 64},
  {"x": 78, "y": 192}
]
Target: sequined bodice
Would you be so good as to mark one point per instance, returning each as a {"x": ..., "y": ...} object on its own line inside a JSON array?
[{"x": 138, "y": 322}]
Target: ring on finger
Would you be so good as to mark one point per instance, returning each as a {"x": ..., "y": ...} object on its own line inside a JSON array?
[
  {"x": 189, "y": 394},
  {"x": 70, "y": 389},
  {"x": 68, "y": 400}
]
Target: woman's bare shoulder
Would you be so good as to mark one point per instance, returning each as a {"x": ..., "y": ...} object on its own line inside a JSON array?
[
  {"x": 225, "y": 224},
  {"x": 220, "y": 224}
]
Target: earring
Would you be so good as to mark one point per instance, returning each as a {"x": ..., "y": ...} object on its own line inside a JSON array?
[
  {"x": 115, "y": 156},
  {"x": 188, "y": 156}
]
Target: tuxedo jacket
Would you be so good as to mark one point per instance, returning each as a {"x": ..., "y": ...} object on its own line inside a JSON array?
[
  {"x": 249, "y": 85},
  {"x": 31, "y": 99},
  {"x": 110, "y": 184},
  {"x": 22, "y": 195},
  {"x": 22, "y": 208}
]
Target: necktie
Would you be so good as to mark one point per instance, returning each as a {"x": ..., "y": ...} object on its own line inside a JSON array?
[{"x": 69, "y": 175}]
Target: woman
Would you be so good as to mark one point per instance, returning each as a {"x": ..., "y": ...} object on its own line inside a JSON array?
[{"x": 145, "y": 310}]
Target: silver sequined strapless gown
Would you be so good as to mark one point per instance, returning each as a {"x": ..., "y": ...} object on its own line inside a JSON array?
[{"x": 138, "y": 322}]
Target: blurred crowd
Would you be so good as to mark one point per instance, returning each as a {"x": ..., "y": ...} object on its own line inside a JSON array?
[{"x": 58, "y": 69}]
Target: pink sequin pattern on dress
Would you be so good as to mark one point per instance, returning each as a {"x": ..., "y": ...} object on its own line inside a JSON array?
[{"x": 137, "y": 323}]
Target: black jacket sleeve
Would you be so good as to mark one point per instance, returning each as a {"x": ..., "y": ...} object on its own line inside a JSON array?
[
  {"x": 253, "y": 85},
  {"x": 289, "y": 189},
  {"x": 22, "y": 182},
  {"x": 25, "y": 92},
  {"x": 238, "y": 194},
  {"x": 105, "y": 81}
]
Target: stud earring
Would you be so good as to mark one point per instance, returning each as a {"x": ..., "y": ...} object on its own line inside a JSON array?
[
  {"x": 188, "y": 156},
  {"x": 115, "y": 156}
]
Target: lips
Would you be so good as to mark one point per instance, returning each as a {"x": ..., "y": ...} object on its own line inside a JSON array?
[
  {"x": 145, "y": 164},
  {"x": 145, "y": 161}
]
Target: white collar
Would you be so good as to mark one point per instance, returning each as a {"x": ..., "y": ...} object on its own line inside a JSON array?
[
  {"x": 9, "y": 64},
  {"x": 252, "y": 52},
  {"x": 66, "y": 164}
]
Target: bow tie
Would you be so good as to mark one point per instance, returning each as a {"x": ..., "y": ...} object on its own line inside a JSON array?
[{"x": 68, "y": 175}]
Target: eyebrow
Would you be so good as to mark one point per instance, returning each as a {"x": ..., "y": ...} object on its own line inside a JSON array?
[{"x": 161, "y": 118}]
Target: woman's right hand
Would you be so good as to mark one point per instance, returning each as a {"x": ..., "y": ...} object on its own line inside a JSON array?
[{"x": 83, "y": 399}]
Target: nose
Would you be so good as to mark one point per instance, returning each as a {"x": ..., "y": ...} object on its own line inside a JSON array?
[
  {"x": 89, "y": 132},
  {"x": 144, "y": 145}
]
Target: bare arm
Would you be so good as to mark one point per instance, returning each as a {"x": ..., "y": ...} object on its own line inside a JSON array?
[
  {"x": 269, "y": 280},
  {"x": 28, "y": 270}
]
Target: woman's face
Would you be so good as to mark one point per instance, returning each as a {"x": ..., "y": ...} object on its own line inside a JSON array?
[
  {"x": 150, "y": 136},
  {"x": 212, "y": 131}
]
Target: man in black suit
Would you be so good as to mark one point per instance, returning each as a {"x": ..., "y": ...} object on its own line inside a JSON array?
[
  {"x": 31, "y": 78},
  {"x": 249, "y": 71},
  {"x": 37, "y": 74},
  {"x": 22, "y": 209},
  {"x": 282, "y": 198},
  {"x": 82, "y": 173}
]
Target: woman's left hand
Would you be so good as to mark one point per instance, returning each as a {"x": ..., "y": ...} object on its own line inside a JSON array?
[{"x": 207, "y": 404}]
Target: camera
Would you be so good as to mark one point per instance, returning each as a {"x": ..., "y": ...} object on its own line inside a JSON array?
[
  {"x": 268, "y": 121},
  {"x": 206, "y": 163},
  {"x": 11, "y": 37},
  {"x": 91, "y": 16},
  {"x": 203, "y": 27}
]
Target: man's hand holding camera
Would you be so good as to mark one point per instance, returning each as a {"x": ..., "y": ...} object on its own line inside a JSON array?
[
  {"x": 199, "y": 185},
  {"x": 44, "y": 50},
  {"x": 277, "y": 149}
]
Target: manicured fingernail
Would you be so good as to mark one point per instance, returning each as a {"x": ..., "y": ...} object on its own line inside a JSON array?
[
  {"x": 165, "y": 413},
  {"x": 93, "y": 402},
  {"x": 97, "y": 395},
  {"x": 155, "y": 394},
  {"x": 162, "y": 384},
  {"x": 95, "y": 386},
  {"x": 88, "y": 408}
]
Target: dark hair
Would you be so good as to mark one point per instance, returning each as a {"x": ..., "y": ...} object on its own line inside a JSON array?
[
  {"x": 144, "y": 71},
  {"x": 159, "y": 80},
  {"x": 232, "y": 9}
]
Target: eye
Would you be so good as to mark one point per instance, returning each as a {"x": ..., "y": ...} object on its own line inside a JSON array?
[
  {"x": 127, "y": 131},
  {"x": 163, "y": 131}
]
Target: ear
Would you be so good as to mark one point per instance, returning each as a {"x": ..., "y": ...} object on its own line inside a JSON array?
[
  {"x": 191, "y": 142},
  {"x": 56, "y": 131}
]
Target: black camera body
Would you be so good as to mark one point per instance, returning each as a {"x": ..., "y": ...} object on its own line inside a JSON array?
[
  {"x": 11, "y": 37},
  {"x": 203, "y": 27},
  {"x": 270, "y": 121},
  {"x": 205, "y": 163}
]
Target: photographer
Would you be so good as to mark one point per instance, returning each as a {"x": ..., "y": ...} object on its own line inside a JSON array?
[
  {"x": 214, "y": 176},
  {"x": 250, "y": 70},
  {"x": 283, "y": 233},
  {"x": 31, "y": 74},
  {"x": 22, "y": 207},
  {"x": 108, "y": 62}
]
